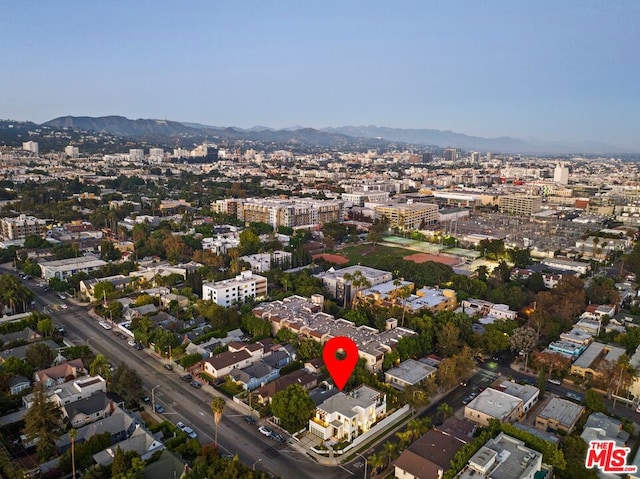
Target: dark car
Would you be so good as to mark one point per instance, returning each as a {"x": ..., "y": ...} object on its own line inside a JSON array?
[
  {"x": 159, "y": 408},
  {"x": 187, "y": 377},
  {"x": 196, "y": 384},
  {"x": 249, "y": 419},
  {"x": 168, "y": 367},
  {"x": 139, "y": 346},
  {"x": 146, "y": 400},
  {"x": 278, "y": 438}
]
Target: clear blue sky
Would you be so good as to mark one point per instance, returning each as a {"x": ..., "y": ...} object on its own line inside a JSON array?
[{"x": 550, "y": 70}]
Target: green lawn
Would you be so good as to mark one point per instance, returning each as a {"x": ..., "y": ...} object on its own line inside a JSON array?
[{"x": 364, "y": 254}]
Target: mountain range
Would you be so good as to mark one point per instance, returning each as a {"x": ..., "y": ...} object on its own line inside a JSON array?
[{"x": 335, "y": 137}]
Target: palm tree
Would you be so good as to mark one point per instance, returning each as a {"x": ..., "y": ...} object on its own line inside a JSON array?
[
  {"x": 100, "y": 365},
  {"x": 358, "y": 282},
  {"x": 390, "y": 449},
  {"x": 404, "y": 294},
  {"x": 445, "y": 410},
  {"x": 404, "y": 439},
  {"x": 72, "y": 435},
  {"x": 376, "y": 461},
  {"x": 217, "y": 408},
  {"x": 418, "y": 427}
]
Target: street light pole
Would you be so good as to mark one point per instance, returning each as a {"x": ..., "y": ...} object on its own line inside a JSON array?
[
  {"x": 153, "y": 398},
  {"x": 365, "y": 464},
  {"x": 253, "y": 467}
]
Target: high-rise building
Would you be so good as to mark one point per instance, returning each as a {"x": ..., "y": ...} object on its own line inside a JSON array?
[
  {"x": 475, "y": 157},
  {"x": 561, "y": 174},
  {"x": 136, "y": 154},
  {"x": 427, "y": 157},
  {"x": 31, "y": 146},
  {"x": 72, "y": 151},
  {"x": 156, "y": 155},
  {"x": 450, "y": 154}
]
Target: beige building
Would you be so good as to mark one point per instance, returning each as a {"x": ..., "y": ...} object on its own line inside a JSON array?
[
  {"x": 559, "y": 415},
  {"x": 409, "y": 216},
  {"x": 519, "y": 205},
  {"x": 20, "y": 227},
  {"x": 493, "y": 404},
  {"x": 290, "y": 212}
]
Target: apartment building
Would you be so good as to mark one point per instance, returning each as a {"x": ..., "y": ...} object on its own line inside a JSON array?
[
  {"x": 290, "y": 212},
  {"x": 519, "y": 205},
  {"x": 12, "y": 229},
  {"x": 65, "y": 268},
  {"x": 305, "y": 318},
  {"x": 231, "y": 291},
  {"x": 408, "y": 216},
  {"x": 340, "y": 285}
]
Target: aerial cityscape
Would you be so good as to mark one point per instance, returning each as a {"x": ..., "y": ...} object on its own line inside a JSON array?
[{"x": 276, "y": 240}]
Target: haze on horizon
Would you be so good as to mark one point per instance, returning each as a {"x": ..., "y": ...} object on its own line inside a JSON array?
[{"x": 550, "y": 71}]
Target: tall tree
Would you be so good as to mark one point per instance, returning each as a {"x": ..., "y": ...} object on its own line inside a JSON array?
[
  {"x": 523, "y": 340},
  {"x": 72, "y": 435},
  {"x": 217, "y": 408},
  {"x": 40, "y": 356},
  {"x": 42, "y": 423},
  {"x": 293, "y": 407}
]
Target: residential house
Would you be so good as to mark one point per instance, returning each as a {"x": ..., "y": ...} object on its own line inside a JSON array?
[
  {"x": 408, "y": 373},
  {"x": 503, "y": 457},
  {"x": 430, "y": 456},
  {"x": 87, "y": 410},
  {"x": 239, "y": 356},
  {"x": 87, "y": 286},
  {"x": 559, "y": 415},
  {"x": 300, "y": 377},
  {"x": 493, "y": 404},
  {"x": 344, "y": 417},
  {"x": 587, "y": 365},
  {"x": 20, "y": 352},
  {"x": 71, "y": 391},
  {"x": 27, "y": 334},
  {"x": 255, "y": 375},
  {"x": 120, "y": 425},
  {"x": 17, "y": 384},
  {"x": 169, "y": 465},
  {"x": 63, "y": 372},
  {"x": 600, "y": 427},
  {"x": 140, "y": 441}
]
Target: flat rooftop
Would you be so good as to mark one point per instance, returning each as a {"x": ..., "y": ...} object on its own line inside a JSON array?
[{"x": 563, "y": 411}]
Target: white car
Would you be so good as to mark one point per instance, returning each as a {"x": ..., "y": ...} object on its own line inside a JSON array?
[
  {"x": 265, "y": 430},
  {"x": 105, "y": 325},
  {"x": 64, "y": 306},
  {"x": 557, "y": 382},
  {"x": 131, "y": 343},
  {"x": 187, "y": 430}
]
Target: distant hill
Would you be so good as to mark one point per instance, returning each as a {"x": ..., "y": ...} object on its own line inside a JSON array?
[
  {"x": 119, "y": 125},
  {"x": 354, "y": 137},
  {"x": 447, "y": 138},
  {"x": 154, "y": 129}
]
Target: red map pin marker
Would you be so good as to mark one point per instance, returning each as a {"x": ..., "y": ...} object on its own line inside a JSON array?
[{"x": 340, "y": 369}]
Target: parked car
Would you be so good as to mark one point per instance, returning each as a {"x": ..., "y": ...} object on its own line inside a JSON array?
[
  {"x": 279, "y": 438},
  {"x": 557, "y": 382},
  {"x": 168, "y": 367},
  {"x": 190, "y": 432},
  {"x": 159, "y": 408},
  {"x": 265, "y": 430},
  {"x": 180, "y": 425},
  {"x": 187, "y": 377},
  {"x": 105, "y": 325},
  {"x": 227, "y": 456},
  {"x": 196, "y": 384},
  {"x": 249, "y": 419},
  {"x": 131, "y": 343},
  {"x": 146, "y": 399},
  {"x": 574, "y": 396},
  {"x": 139, "y": 347},
  {"x": 61, "y": 296}
]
